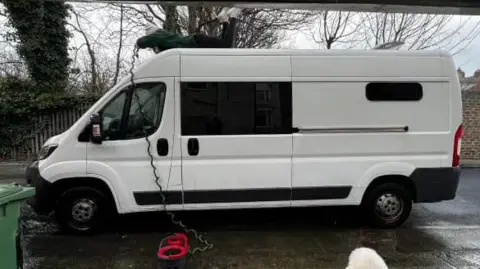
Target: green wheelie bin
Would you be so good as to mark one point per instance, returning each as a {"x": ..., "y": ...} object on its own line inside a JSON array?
[{"x": 11, "y": 198}]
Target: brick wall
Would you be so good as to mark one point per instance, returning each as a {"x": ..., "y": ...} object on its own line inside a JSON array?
[{"x": 471, "y": 124}]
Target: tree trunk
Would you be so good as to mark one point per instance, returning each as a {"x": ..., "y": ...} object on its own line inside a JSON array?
[
  {"x": 119, "y": 50},
  {"x": 171, "y": 19},
  {"x": 192, "y": 20}
]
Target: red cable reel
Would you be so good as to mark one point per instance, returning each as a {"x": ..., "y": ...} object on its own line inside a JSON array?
[{"x": 173, "y": 251}]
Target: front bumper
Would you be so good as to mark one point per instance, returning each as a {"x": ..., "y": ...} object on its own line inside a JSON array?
[
  {"x": 42, "y": 202},
  {"x": 435, "y": 184}
]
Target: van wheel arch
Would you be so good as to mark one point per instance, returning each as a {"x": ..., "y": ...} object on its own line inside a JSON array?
[
  {"x": 62, "y": 185},
  {"x": 387, "y": 202},
  {"x": 83, "y": 205},
  {"x": 398, "y": 179}
]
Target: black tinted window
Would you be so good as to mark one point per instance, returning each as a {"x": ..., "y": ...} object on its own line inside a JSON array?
[
  {"x": 394, "y": 91},
  {"x": 236, "y": 108}
]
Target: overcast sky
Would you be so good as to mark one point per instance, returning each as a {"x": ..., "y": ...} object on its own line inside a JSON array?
[{"x": 469, "y": 60}]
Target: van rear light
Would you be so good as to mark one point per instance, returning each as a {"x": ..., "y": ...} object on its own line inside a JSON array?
[{"x": 457, "y": 144}]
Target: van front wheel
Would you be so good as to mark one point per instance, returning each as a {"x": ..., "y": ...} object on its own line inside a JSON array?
[
  {"x": 82, "y": 210},
  {"x": 388, "y": 205}
]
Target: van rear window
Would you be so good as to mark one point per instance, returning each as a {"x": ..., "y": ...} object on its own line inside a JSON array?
[{"x": 394, "y": 91}]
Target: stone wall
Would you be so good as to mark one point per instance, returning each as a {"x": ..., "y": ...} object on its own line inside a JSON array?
[{"x": 471, "y": 125}]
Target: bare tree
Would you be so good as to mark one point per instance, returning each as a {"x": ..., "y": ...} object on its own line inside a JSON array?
[
  {"x": 335, "y": 27},
  {"x": 12, "y": 65},
  {"x": 78, "y": 27},
  {"x": 119, "y": 48},
  {"x": 100, "y": 56},
  {"x": 256, "y": 28},
  {"x": 266, "y": 28},
  {"x": 10, "y": 62},
  {"x": 418, "y": 31}
]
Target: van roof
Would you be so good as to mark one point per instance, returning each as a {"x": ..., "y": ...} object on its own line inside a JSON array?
[
  {"x": 166, "y": 62},
  {"x": 313, "y": 52}
]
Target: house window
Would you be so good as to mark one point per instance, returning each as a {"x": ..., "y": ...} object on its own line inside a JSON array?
[{"x": 263, "y": 92}]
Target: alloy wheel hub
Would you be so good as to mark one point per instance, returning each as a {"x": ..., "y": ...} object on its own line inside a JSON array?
[
  {"x": 83, "y": 210},
  {"x": 389, "y": 205}
]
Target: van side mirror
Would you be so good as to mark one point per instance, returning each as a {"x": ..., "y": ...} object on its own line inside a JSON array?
[{"x": 96, "y": 128}]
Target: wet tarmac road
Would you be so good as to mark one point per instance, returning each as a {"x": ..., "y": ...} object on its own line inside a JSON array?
[{"x": 443, "y": 235}]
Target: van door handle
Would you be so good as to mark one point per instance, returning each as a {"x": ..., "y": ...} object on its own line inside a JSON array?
[
  {"x": 193, "y": 147},
  {"x": 162, "y": 147}
]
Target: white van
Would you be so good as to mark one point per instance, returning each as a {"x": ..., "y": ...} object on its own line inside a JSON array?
[{"x": 242, "y": 128}]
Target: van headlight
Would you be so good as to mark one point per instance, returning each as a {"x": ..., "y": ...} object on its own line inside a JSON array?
[{"x": 46, "y": 151}]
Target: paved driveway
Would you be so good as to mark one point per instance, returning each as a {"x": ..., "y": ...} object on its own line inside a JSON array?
[{"x": 437, "y": 236}]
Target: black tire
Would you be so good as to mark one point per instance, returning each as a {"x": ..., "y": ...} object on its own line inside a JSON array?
[
  {"x": 394, "y": 199},
  {"x": 75, "y": 203}
]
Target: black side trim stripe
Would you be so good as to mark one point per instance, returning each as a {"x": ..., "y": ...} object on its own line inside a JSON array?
[
  {"x": 237, "y": 196},
  {"x": 245, "y": 195},
  {"x": 320, "y": 193},
  {"x": 154, "y": 198}
]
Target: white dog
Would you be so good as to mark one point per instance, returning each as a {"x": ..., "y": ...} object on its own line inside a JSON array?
[{"x": 365, "y": 258}]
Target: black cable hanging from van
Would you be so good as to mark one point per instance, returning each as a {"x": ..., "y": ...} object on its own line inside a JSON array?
[{"x": 207, "y": 245}]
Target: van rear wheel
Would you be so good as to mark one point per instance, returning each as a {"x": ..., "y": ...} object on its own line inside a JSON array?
[
  {"x": 82, "y": 210},
  {"x": 387, "y": 205}
]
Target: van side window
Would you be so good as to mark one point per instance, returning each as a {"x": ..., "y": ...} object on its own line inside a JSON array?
[
  {"x": 122, "y": 117},
  {"x": 394, "y": 91},
  {"x": 112, "y": 115},
  {"x": 236, "y": 108}
]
